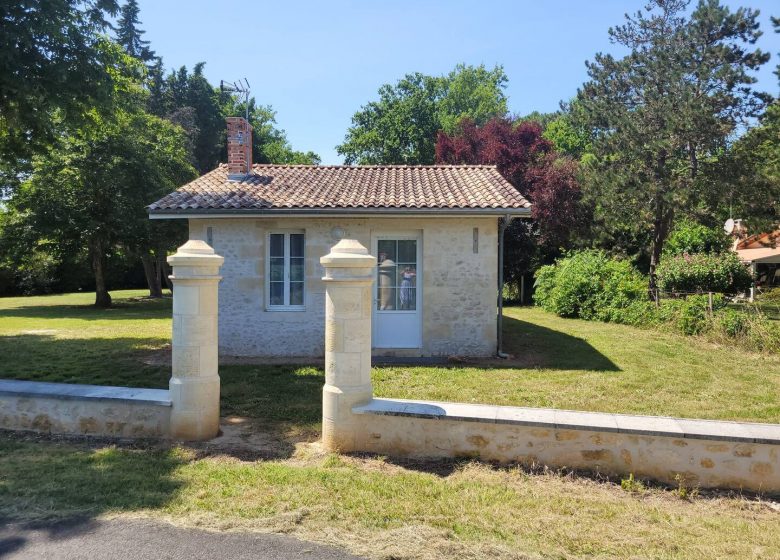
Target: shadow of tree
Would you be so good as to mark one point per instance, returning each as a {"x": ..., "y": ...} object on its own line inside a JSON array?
[
  {"x": 123, "y": 309},
  {"x": 94, "y": 361},
  {"x": 78, "y": 482},
  {"x": 535, "y": 346}
]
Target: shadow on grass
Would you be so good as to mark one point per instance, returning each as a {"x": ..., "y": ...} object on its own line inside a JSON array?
[
  {"x": 133, "y": 309},
  {"x": 534, "y": 346},
  {"x": 278, "y": 393},
  {"x": 92, "y": 361},
  {"x": 46, "y": 483}
]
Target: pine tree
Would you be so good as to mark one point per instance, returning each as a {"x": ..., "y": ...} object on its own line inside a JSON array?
[
  {"x": 661, "y": 114},
  {"x": 130, "y": 36}
]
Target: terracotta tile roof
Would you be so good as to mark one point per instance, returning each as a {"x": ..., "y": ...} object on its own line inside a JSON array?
[{"x": 309, "y": 187}]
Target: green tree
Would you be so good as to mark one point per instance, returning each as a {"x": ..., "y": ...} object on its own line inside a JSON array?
[
  {"x": 90, "y": 189},
  {"x": 667, "y": 109},
  {"x": 130, "y": 36},
  {"x": 401, "y": 127},
  {"x": 689, "y": 237},
  {"x": 54, "y": 61},
  {"x": 568, "y": 135},
  {"x": 269, "y": 143}
]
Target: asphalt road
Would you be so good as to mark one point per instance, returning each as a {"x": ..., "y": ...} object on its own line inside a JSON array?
[{"x": 149, "y": 540}]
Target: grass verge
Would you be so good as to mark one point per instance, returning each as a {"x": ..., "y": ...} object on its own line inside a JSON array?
[{"x": 380, "y": 509}]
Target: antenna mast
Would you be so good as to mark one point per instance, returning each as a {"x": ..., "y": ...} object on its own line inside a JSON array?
[{"x": 240, "y": 87}]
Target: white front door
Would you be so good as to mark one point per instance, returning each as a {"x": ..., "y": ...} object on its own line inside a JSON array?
[{"x": 397, "y": 291}]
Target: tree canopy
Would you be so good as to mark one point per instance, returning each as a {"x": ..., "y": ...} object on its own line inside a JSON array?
[
  {"x": 92, "y": 130},
  {"x": 90, "y": 189},
  {"x": 666, "y": 110},
  {"x": 130, "y": 36},
  {"x": 528, "y": 161},
  {"x": 55, "y": 63},
  {"x": 401, "y": 127}
]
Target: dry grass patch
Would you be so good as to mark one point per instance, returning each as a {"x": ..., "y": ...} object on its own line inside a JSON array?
[{"x": 381, "y": 509}]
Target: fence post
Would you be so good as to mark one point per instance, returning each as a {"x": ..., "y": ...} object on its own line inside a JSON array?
[
  {"x": 194, "y": 385},
  {"x": 709, "y": 301},
  {"x": 349, "y": 277}
]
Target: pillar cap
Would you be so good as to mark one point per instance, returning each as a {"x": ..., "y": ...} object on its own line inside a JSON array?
[
  {"x": 348, "y": 253},
  {"x": 195, "y": 253}
]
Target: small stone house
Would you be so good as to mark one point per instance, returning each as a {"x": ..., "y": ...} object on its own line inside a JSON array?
[{"x": 435, "y": 231}]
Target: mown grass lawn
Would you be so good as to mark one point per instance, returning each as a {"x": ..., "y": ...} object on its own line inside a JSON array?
[
  {"x": 560, "y": 363},
  {"x": 372, "y": 505}
]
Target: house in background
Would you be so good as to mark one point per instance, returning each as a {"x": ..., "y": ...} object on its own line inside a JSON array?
[
  {"x": 435, "y": 231},
  {"x": 761, "y": 252}
]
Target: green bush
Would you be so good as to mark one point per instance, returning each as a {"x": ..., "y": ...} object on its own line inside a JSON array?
[
  {"x": 591, "y": 285},
  {"x": 771, "y": 296},
  {"x": 733, "y": 323},
  {"x": 703, "y": 273},
  {"x": 748, "y": 327},
  {"x": 694, "y": 317},
  {"x": 690, "y": 237}
]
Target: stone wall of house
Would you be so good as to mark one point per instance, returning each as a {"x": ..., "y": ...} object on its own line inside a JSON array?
[{"x": 458, "y": 288}]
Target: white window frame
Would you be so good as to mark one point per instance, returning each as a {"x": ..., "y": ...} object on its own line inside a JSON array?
[{"x": 286, "y": 306}]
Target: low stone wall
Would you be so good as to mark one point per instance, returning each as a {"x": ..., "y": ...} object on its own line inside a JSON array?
[
  {"x": 60, "y": 408},
  {"x": 702, "y": 453}
]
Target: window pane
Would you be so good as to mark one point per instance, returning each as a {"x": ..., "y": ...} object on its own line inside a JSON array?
[
  {"x": 277, "y": 269},
  {"x": 296, "y": 269},
  {"x": 407, "y": 251},
  {"x": 407, "y": 298},
  {"x": 296, "y": 293},
  {"x": 386, "y": 250},
  {"x": 387, "y": 299},
  {"x": 296, "y": 244},
  {"x": 277, "y": 245},
  {"x": 277, "y": 293}
]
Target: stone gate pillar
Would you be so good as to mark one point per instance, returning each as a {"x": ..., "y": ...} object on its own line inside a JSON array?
[
  {"x": 349, "y": 275},
  {"x": 194, "y": 386}
]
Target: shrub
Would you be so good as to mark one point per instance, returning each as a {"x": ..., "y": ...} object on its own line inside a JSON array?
[
  {"x": 748, "y": 327},
  {"x": 591, "y": 285},
  {"x": 733, "y": 323},
  {"x": 771, "y": 296},
  {"x": 694, "y": 317},
  {"x": 690, "y": 237},
  {"x": 704, "y": 273}
]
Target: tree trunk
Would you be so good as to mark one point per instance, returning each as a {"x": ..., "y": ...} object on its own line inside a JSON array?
[
  {"x": 164, "y": 269},
  {"x": 152, "y": 276},
  {"x": 661, "y": 222},
  {"x": 102, "y": 297}
]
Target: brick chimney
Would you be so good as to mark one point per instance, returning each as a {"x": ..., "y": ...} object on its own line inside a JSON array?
[{"x": 239, "y": 148}]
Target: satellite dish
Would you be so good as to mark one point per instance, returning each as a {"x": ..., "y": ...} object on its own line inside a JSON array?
[{"x": 729, "y": 226}]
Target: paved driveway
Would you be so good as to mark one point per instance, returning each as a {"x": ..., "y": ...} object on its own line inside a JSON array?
[{"x": 149, "y": 540}]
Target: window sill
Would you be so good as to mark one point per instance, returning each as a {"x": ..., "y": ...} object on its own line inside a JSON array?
[{"x": 284, "y": 309}]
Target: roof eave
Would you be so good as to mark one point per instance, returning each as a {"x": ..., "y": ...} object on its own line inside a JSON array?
[{"x": 332, "y": 212}]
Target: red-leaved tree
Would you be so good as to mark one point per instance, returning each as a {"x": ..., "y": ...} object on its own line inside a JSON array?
[
  {"x": 528, "y": 161},
  {"x": 554, "y": 190},
  {"x": 498, "y": 142}
]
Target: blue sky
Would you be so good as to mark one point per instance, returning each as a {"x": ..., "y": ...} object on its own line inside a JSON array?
[{"x": 316, "y": 63}]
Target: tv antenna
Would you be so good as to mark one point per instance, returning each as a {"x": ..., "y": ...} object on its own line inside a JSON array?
[{"x": 239, "y": 87}]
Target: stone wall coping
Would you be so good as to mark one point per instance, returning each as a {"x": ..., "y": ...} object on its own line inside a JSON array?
[
  {"x": 69, "y": 391},
  {"x": 716, "y": 430}
]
